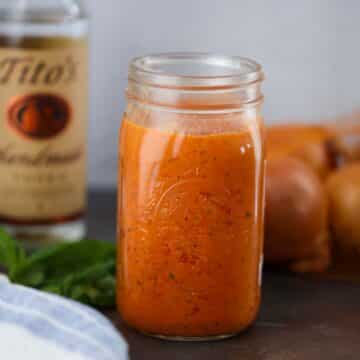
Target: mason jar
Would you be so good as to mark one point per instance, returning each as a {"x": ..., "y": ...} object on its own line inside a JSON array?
[{"x": 191, "y": 196}]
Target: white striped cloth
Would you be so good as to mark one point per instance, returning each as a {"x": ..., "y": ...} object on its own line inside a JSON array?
[{"x": 36, "y": 325}]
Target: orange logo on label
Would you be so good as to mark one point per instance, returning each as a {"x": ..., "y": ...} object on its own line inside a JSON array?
[{"x": 39, "y": 116}]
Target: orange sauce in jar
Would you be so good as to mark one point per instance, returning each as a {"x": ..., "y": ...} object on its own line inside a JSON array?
[{"x": 191, "y": 231}]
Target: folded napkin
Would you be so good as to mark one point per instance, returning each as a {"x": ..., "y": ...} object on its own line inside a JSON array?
[{"x": 36, "y": 325}]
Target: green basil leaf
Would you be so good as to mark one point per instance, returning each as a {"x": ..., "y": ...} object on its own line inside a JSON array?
[
  {"x": 12, "y": 255},
  {"x": 65, "y": 259},
  {"x": 84, "y": 271}
]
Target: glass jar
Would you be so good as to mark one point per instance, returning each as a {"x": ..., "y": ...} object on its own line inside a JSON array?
[
  {"x": 43, "y": 143},
  {"x": 191, "y": 196}
]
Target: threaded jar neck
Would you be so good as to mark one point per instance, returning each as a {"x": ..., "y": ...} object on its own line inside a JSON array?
[{"x": 195, "y": 82}]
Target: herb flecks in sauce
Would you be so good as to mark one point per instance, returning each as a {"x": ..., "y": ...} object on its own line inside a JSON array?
[{"x": 191, "y": 229}]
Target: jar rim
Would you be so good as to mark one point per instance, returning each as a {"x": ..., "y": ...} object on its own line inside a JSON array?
[{"x": 195, "y": 70}]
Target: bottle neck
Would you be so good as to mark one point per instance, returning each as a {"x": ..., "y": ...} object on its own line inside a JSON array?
[
  {"x": 41, "y": 11},
  {"x": 42, "y": 19}
]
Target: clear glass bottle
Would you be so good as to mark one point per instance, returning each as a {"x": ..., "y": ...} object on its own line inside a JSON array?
[
  {"x": 44, "y": 94},
  {"x": 191, "y": 196}
]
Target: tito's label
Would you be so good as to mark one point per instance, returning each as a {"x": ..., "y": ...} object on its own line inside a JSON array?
[{"x": 43, "y": 126}]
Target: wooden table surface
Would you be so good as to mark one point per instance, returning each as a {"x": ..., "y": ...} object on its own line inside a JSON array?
[{"x": 300, "y": 318}]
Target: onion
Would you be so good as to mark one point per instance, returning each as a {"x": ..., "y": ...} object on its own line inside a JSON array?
[
  {"x": 344, "y": 195},
  {"x": 310, "y": 143},
  {"x": 296, "y": 230}
]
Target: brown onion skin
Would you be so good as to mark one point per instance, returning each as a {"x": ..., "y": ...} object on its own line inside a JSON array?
[
  {"x": 317, "y": 156},
  {"x": 343, "y": 188},
  {"x": 310, "y": 143},
  {"x": 296, "y": 231}
]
